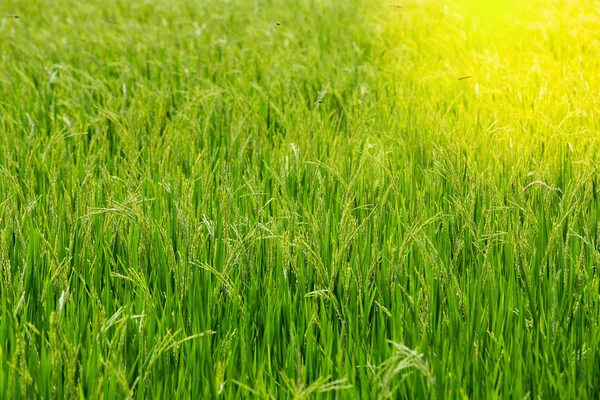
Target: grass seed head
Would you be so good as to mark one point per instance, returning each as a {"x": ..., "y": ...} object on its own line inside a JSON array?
[{"x": 539, "y": 183}]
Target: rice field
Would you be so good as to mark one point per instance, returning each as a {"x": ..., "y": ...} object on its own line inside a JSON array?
[{"x": 308, "y": 199}]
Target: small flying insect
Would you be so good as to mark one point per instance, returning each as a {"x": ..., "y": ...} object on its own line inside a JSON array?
[
  {"x": 396, "y": 6},
  {"x": 319, "y": 99},
  {"x": 464, "y": 77},
  {"x": 12, "y": 16},
  {"x": 277, "y": 23}
]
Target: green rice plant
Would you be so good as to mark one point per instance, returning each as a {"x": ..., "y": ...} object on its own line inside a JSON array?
[{"x": 262, "y": 199}]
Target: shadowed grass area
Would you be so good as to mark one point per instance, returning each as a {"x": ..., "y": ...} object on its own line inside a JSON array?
[{"x": 180, "y": 217}]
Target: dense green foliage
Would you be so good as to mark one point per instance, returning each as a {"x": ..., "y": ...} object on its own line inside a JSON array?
[{"x": 177, "y": 218}]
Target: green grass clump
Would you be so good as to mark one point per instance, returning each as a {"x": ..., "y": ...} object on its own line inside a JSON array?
[{"x": 178, "y": 219}]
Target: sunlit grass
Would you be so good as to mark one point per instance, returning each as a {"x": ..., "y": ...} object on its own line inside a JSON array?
[{"x": 180, "y": 216}]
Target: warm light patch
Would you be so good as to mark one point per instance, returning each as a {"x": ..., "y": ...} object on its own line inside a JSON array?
[
  {"x": 532, "y": 68},
  {"x": 491, "y": 10}
]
